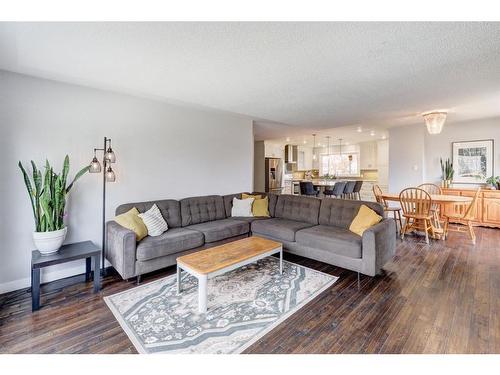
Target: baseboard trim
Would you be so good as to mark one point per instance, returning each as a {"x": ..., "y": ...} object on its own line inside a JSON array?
[{"x": 47, "y": 275}]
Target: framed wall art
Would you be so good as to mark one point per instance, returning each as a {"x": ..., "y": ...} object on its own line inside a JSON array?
[{"x": 472, "y": 161}]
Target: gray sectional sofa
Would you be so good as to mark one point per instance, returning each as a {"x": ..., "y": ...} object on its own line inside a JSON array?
[{"x": 310, "y": 227}]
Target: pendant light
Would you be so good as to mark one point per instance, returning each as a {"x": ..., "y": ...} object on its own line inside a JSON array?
[
  {"x": 314, "y": 146},
  {"x": 328, "y": 152}
]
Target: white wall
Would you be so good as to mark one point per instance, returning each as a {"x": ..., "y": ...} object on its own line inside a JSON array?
[
  {"x": 162, "y": 151},
  {"x": 406, "y": 157},
  {"x": 411, "y": 146}
]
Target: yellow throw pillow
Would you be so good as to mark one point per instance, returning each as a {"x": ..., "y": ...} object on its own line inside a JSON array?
[
  {"x": 132, "y": 221},
  {"x": 365, "y": 219},
  {"x": 260, "y": 207},
  {"x": 246, "y": 196}
]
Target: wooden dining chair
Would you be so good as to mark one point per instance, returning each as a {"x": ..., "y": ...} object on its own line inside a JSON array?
[
  {"x": 462, "y": 216},
  {"x": 433, "y": 189},
  {"x": 416, "y": 205},
  {"x": 396, "y": 211}
]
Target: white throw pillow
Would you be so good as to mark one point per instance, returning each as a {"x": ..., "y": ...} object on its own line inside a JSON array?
[
  {"x": 242, "y": 207},
  {"x": 154, "y": 221}
]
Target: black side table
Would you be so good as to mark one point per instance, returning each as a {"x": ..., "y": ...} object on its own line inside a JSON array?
[{"x": 66, "y": 253}]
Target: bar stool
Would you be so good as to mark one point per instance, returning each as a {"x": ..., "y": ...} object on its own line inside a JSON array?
[
  {"x": 349, "y": 189},
  {"x": 357, "y": 189},
  {"x": 307, "y": 188}
]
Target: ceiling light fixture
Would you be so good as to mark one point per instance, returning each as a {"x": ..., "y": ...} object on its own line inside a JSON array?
[
  {"x": 360, "y": 129},
  {"x": 434, "y": 121},
  {"x": 288, "y": 139},
  {"x": 372, "y": 133}
]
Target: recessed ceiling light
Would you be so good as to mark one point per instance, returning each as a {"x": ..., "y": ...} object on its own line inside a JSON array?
[
  {"x": 372, "y": 133},
  {"x": 288, "y": 139},
  {"x": 304, "y": 141},
  {"x": 384, "y": 137},
  {"x": 360, "y": 129}
]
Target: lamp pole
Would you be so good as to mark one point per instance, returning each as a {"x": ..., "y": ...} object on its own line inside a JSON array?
[{"x": 108, "y": 175}]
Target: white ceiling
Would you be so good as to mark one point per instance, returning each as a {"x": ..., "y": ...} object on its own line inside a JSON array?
[{"x": 292, "y": 78}]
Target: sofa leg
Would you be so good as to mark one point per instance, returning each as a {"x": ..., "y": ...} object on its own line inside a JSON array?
[
  {"x": 359, "y": 277},
  {"x": 138, "y": 280}
]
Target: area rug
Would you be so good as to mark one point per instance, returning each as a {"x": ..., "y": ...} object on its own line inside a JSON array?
[{"x": 243, "y": 305}]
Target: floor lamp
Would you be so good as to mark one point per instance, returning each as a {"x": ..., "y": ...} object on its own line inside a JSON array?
[{"x": 108, "y": 175}]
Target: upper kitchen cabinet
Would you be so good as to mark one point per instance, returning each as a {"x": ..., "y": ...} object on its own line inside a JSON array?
[
  {"x": 368, "y": 155},
  {"x": 304, "y": 159}
]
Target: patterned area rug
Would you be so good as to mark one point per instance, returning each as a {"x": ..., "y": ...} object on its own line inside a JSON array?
[{"x": 243, "y": 305}]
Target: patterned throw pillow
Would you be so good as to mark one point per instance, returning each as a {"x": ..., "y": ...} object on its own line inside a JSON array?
[{"x": 154, "y": 221}]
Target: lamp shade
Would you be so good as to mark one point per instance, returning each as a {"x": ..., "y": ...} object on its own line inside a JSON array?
[
  {"x": 110, "y": 175},
  {"x": 110, "y": 155},
  {"x": 95, "y": 166},
  {"x": 435, "y": 121}
]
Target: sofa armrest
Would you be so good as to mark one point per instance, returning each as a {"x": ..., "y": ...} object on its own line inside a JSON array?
[
  {"x": 121, "y": 249},
  {"x": 378, "y": 246}
]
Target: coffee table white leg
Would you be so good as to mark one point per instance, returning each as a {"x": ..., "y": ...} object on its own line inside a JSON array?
[
  {"x": 179, "y": 289},
  {"x": 202, "y": 294},
  {"x": 281, "y": 260}
]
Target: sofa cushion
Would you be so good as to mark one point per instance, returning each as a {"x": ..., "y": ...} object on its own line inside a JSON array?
[
  {"x": 341, "y": 212},
  {"x": 170, "y": 210},
  {"x": 221, "y": 229},
  {"x": 198, "y": 210},
  {"x": 298, "y": 208},
  {"x": 278, "y": 228},
  {"x": 170, "y": 242},
  {"x": 334, "y": 239}
]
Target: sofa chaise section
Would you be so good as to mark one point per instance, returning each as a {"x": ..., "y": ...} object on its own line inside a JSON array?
[{"x": 332, "y": 242}]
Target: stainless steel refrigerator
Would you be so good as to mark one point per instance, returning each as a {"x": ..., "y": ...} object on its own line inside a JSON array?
[{"x": 274, "y": 175}]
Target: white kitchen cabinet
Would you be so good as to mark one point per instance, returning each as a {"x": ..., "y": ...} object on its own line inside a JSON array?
[
  {"x": 383, "y": 162},
  {"x": 368, "y": 155},
  {"x": 304, "y": 158}
]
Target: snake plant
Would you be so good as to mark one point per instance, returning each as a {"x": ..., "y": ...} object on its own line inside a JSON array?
[
  {"x": 447, "y": 169},
  {"x": 47, "y": 194}
]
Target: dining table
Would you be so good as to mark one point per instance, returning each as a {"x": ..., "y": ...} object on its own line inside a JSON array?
[{"x": 442, "y": 200}]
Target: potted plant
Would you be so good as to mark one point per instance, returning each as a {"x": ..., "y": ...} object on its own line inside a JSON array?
[
  {"x": 493, "y": 182},
  {"x": 48, "y": 200},
  {"x": 446, "y": 172}
]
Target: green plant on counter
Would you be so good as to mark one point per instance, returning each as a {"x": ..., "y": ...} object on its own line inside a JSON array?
[
  {"x": 446, "y": 169},
  {"x": 493, "y": 181},
  {"x": 48, "y": 194},
  {"x": 329, "y": 176}
]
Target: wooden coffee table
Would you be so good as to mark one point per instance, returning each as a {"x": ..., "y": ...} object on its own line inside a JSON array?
[{"x": 218, "y": 260}]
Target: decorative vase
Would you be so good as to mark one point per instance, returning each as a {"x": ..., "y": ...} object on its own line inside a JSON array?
[{"x": 49, "y": 242}]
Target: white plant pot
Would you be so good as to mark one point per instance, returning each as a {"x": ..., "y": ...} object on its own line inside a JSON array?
[{"x": 49, "y": 242}]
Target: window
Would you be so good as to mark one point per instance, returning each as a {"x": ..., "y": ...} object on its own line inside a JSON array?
[{"x": 346, "y": 164}]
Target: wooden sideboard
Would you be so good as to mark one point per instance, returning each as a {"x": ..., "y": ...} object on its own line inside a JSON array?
[{"x": 487, "y": 210}]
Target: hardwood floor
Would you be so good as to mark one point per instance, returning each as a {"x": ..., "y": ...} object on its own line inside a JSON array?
[{"x": 437, "y": 298}]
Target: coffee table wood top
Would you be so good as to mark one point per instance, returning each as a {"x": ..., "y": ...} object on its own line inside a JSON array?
[{"x": 223, "y": 256}]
